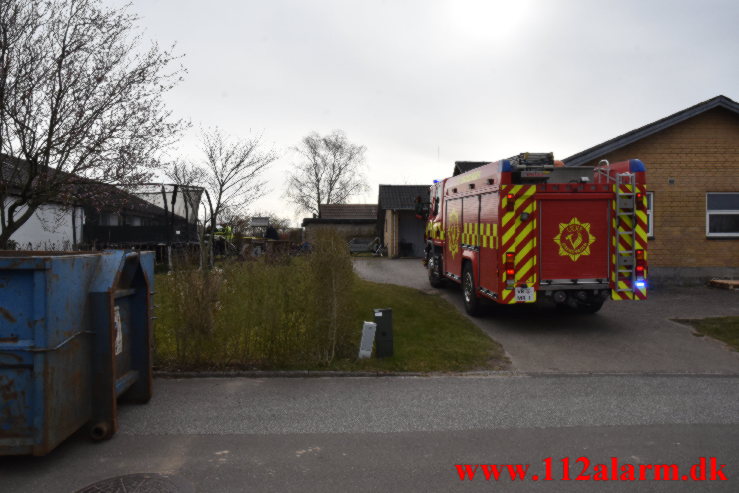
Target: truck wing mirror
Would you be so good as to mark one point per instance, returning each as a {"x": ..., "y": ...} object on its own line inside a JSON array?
[{"x": 421, "y": 209}]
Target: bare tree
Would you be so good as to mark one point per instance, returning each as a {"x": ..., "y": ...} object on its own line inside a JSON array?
[
  {"x": 232, "y": 172},
  {"x": 329, "y": 171},
  {"x": 80, "y": 104}
]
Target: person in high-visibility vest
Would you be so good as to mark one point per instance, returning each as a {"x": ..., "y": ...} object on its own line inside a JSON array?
[{"x": 228, "y": 233}]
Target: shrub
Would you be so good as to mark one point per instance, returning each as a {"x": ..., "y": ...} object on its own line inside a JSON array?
[{"x": 296, "y": 312}]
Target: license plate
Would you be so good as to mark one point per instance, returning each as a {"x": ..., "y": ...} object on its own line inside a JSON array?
[{"x": 525, "y": 295}]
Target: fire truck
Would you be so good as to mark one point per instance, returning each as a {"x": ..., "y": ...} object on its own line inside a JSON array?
[{"x": 525, "y": 229}]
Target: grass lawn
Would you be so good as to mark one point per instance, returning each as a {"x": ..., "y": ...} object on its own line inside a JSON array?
[
  {"x": 429, "y": 334},
  {"x": 725, "y": 329}
]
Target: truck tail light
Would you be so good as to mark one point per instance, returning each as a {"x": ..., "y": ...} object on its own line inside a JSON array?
[
  {"x": 640, "y": 268},
  {"x": 509, "y": 270},
  {"x": 641, "y": 204},
  {"x": 511, "y": 202}
]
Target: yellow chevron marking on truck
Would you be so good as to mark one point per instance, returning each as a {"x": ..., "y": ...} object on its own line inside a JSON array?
[{"x": 519, "y": 236}]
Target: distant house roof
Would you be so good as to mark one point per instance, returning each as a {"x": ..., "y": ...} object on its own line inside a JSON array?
[
  {"x": 465, "y": 166},
  {"x": 14, "y": 173},
  {"x": 344, "y": 214},
  {"x": 401, "y": 197},
  {"x": 347, "y": 211},
  {"x": 599, "y": 150},
  {"x": 320, "y": 220}
]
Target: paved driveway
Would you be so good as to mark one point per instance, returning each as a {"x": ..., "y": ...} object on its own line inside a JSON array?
[{"x": 623, "y": 337}]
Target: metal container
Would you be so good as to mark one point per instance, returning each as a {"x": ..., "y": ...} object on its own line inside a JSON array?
[{"x": 75, "y": 333}]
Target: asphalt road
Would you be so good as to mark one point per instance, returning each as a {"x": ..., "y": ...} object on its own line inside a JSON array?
[
  {"x": 404, "y": 433},
  {"x": 624, "y": 337}
]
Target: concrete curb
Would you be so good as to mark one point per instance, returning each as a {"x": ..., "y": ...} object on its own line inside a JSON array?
[
  {"x": 367, "y": 374},
  {"x": 280, "y": 374}
]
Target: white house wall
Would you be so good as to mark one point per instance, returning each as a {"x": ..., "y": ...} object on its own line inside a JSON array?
[{"x": 49, "y": 228}]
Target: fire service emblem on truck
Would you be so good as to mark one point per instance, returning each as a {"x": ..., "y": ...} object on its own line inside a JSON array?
[
  {"x": 453, "y": 233},
  {"x": 574, "y": 239}
]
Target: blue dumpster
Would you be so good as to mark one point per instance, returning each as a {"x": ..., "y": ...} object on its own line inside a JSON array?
[{"x": 75, "y": 334}]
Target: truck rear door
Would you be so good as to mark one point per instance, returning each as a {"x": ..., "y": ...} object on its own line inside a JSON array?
[{"x": 574, "y": 237}]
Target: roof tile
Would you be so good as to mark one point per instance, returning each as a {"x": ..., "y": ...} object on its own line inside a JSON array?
[
  {"x": 401, "y": 197},
  {"x": 348, "y": 211}
]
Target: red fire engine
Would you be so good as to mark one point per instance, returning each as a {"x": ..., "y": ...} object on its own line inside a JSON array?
[{"x": 522, "y": 229}]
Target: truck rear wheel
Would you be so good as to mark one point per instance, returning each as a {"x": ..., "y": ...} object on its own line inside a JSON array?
[
  {"x": 589, "y": 306},
  {"x": 469, "y": 291}
]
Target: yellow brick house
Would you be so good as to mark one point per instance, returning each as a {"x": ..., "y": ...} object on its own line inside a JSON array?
[{"x": 692, "y": 161}]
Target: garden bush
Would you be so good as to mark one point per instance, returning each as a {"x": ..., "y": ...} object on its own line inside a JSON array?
[{"x": 286, "y": 313}]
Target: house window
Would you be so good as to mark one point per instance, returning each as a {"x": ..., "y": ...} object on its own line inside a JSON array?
[
  {"x": 722, "y": 214},
  {"x": 108, "y": 219},
  {"x": 650, "y": 214}
]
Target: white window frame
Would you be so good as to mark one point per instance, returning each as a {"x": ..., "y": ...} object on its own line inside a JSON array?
[
  {"x": 720, "y": 212},
  {"x": 650, "y": 214}
]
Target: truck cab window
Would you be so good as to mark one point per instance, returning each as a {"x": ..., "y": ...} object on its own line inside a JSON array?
[{"x": 437, "y": 199}]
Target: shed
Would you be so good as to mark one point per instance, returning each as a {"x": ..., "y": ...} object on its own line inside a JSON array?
[
  {"x": 402, "y": 231},
  {"x": 349, "y": 220}
]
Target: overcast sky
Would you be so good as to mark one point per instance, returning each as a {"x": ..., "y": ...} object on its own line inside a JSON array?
[{"x": 424, "y": 83}]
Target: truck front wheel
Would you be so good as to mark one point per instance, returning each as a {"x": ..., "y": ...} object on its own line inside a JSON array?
[
  {"x": 436, "y": 279},
  {"x": 471, "y": 301}
]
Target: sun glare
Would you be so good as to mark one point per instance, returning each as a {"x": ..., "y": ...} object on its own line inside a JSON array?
[{"x": 488, "y": 20}]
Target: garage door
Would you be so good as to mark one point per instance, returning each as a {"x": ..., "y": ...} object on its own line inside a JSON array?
[{"x": 410, "y": 234}]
